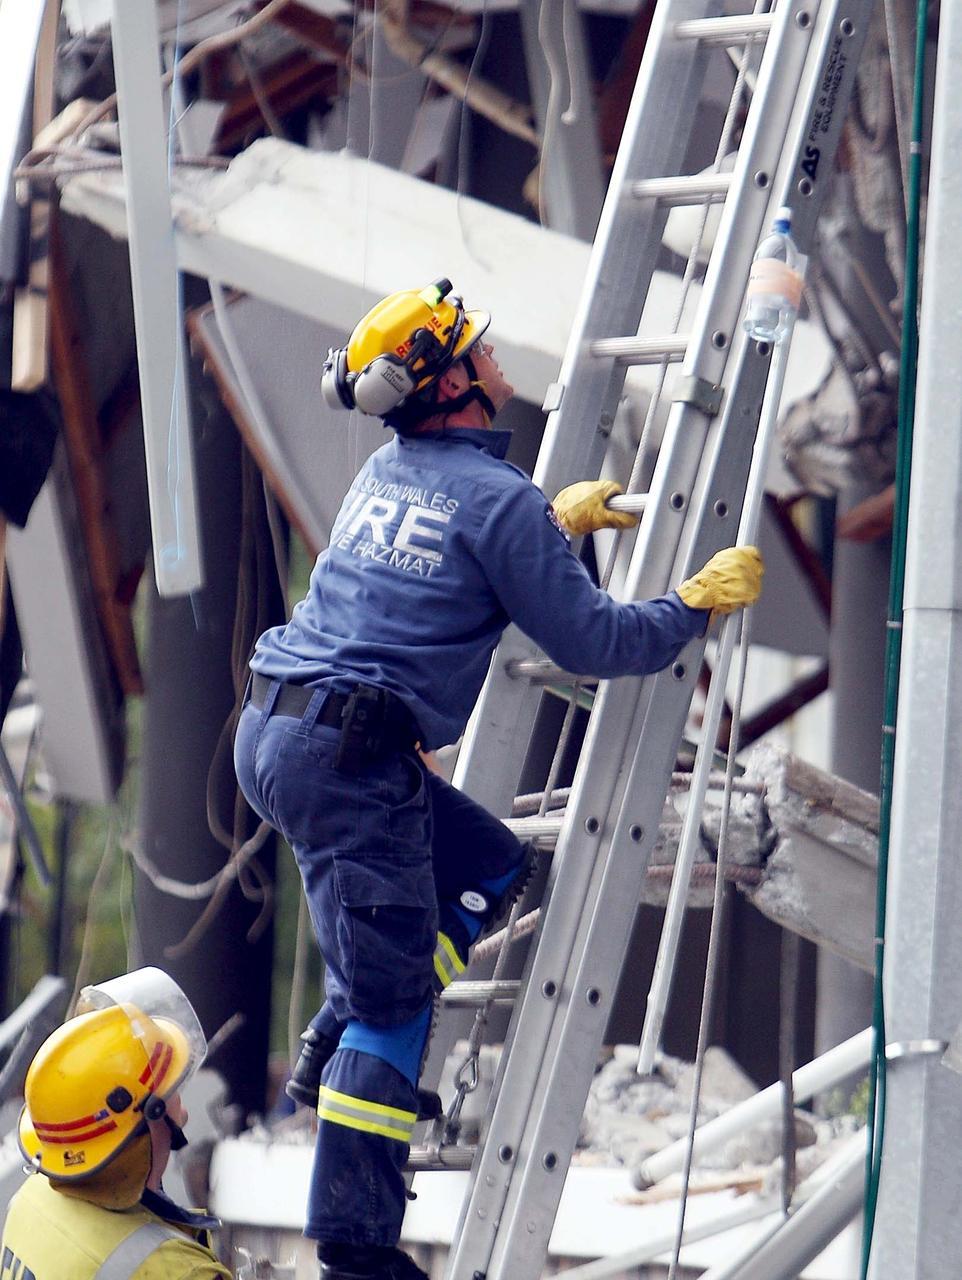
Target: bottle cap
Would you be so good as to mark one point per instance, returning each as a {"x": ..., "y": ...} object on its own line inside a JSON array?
[{"x": 784, "y": 216}]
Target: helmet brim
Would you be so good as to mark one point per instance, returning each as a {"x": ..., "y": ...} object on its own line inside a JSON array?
[{"x": 475, "y": 326}]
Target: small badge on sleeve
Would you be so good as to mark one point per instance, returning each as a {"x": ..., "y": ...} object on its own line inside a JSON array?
[{"x": 553, "y": 519}]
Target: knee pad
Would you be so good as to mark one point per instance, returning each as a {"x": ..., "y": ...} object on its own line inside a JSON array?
[{"x": 401, "y": 1047}]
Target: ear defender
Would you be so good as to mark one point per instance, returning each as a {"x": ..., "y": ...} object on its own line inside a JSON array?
[
  {"x": 382, "y": 385},
  {"x": 379, "y": 387},
  {"x": 335, "y": 387}
]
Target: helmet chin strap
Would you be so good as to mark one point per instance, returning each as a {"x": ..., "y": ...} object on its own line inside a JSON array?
[
  {"x": 178, "y": 1139},
  {"x": 475, "y": 394},
  {"x": 417, "y": 409}
]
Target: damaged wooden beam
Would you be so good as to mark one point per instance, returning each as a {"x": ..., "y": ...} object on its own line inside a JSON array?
[{"x": 86, "y": 454}]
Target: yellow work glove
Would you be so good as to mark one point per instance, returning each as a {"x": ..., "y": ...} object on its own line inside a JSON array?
[
  {"x": 581, "y": 507},
  {"x": 731, "y": 579}
]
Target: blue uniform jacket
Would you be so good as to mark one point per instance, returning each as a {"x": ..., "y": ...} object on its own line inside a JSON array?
[{"x": 438, "y": 545}]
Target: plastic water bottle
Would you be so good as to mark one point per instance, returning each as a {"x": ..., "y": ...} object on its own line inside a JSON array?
[{"x": 774, "y": 283}]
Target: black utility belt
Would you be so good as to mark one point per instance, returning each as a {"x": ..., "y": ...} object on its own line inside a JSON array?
[{"x": 373, "y": 722}]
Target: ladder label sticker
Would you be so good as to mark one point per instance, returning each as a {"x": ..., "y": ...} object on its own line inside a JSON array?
[
  {"x": 826, "y": 100},
  {"x": 810, "y": 163}
]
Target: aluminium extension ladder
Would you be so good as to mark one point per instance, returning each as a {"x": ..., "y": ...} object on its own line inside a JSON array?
[{"x": 802, "y": 86}]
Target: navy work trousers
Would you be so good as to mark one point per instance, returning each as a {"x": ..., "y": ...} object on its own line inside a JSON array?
[{"x": 385, "y": 858}]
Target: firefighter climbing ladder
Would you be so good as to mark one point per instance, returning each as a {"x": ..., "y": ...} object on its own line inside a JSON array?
[{"x": 801, "y": 89}]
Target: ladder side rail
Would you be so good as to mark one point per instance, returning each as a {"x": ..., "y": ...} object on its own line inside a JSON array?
[
  {"x": 841, "y": 29},
  {"x": 784, "y": 68},
  {"x": 838, "y": 38},
  {"x": 549, "y": 1134},
  {"x": 598, "y": 789},
  {"x": 776, "y": 81},
  {"x": 497, "y": 737},
  {"x": 617, "y": 857},
  {"x": 624, "y": 252}
]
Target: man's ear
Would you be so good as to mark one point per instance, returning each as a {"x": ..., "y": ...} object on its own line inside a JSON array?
[{"x": 450, "y": 382}]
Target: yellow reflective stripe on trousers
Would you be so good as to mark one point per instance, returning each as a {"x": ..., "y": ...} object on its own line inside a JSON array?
[
  {"x": 448, "y": 965},
  {"x": 368, "y": 1117}
]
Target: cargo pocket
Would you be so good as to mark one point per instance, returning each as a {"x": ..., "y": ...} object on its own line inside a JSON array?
[
  {"x": 388, "y": 926},
  {"x": 407, "y": 807}
]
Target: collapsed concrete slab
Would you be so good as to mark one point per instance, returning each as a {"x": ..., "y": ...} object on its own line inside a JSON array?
[{"x": 819, "y": 879}]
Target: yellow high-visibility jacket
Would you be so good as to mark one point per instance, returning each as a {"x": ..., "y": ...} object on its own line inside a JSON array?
[{"x": 50, "y": 1236}]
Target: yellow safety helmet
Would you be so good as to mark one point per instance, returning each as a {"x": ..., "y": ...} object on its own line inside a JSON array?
[
  {"x": 401, "y": 348},
  {"x": 100, "y": 1077}
]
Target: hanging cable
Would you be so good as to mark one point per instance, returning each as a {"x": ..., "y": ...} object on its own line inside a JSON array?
[
  {"x": 303, "y": 939},
  {"x": 893, "y": 638},
  {"x": 97, "y": 889},
  {"x": 789, "y": 961},
  {"x": 480, "y": 50},
  {"x": 715, "y": 937},
  {"x": 260, "y": 94},
  {"x": 483, "y": 97},
  {"x": 569, "y": 16},
  {"x": 559, "y": 73},
  {"x": 747, "y": 534}
]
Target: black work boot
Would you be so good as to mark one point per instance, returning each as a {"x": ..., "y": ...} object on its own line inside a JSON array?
[
  {"x": 366, "y": 1262},
  {"x": 501, "y": 907},
  {"x": 317, "y": 1050},
  {"x": 490, "y": 911}
]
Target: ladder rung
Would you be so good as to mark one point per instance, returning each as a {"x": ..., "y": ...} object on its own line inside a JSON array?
[
  {"x": 545, "y": 827},
  {"x": 633, "y": 502},
  {"x": 527, "y": 805},
  {"x": 497, "y": 990},
  {"x": 544, "y": 671},
  {"x": 642, "y": 350},
  {"x": 693, "y": 188},
  {"x": 421, "y": 1159},
  {"x": 746, "y": 26}
]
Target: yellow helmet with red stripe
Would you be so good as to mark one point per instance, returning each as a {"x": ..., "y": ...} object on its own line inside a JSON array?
[
  {"x": 400, "y": 349},
  {"x": 99, "y": 1078}
]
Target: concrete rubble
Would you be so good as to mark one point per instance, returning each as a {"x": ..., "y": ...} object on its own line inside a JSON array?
[
  {"x": 628, "y": 1117},
  {"x": 802, "y": 845}
]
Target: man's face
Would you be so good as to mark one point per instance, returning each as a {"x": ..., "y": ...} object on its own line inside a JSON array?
[{"x": 496, "y": 385}]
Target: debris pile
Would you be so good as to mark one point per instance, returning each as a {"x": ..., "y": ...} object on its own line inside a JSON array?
[{"x": 629, "y": 1117}]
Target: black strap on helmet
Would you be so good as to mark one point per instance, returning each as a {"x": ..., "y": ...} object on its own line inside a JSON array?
[
  {"x": 417, "y": 409},
  {"x": 178, "y": 1139},
  {"x": 474, "y": 394}
]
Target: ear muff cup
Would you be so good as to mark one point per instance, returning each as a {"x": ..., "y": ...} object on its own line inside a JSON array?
[
  {"x": 335, "y": 387},
  {"x": 382, "y": 386}
]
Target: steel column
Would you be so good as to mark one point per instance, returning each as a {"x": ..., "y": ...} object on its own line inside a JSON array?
[
  {"x": 157, "y": 303},
  {"x": 918, "y": 1229}
]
